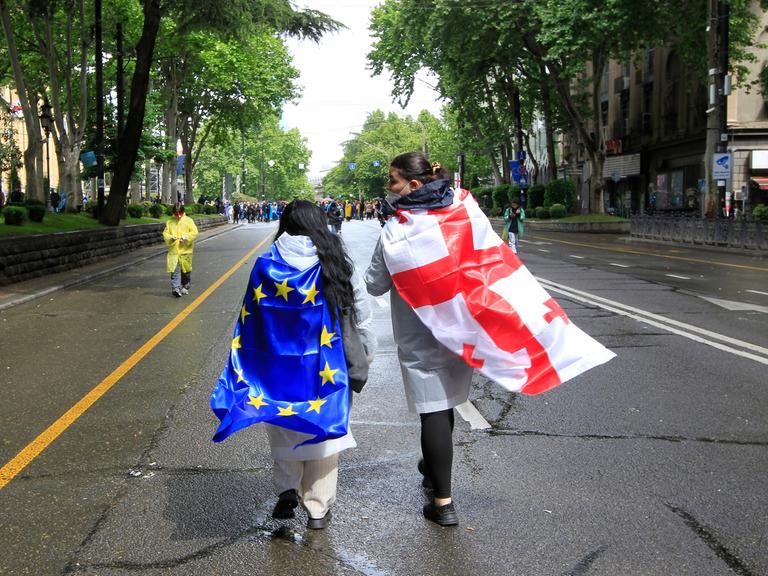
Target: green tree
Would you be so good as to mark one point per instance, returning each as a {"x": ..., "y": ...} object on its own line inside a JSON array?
[{"x": 236, "y": 18}]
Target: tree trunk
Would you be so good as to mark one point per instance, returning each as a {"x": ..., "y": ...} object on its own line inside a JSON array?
[
  {"x": 189, "y": 193},
  {"x": 129, "y": 142},
  {"x": 549, "y": 132},
  {"x": 135, "y": 192},
  {"x": 69, "y": 170},
  {"x": 33, "y": 158}
]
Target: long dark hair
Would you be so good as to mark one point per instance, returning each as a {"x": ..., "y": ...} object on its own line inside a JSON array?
[
  {"x": 416, "y": 166},
  {"x": 303, "y": 218}
]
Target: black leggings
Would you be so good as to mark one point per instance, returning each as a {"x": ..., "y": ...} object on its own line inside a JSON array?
[{"x": 437, "y": 448}]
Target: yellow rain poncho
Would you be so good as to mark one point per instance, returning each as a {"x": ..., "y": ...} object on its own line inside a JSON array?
[{"x": 180, "y": 251}]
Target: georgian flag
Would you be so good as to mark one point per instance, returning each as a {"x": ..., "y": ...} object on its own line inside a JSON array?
[{"x": 478, "y": 300}]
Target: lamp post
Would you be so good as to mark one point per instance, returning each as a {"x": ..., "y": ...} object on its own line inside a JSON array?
[{"x": 46, "y": 121}]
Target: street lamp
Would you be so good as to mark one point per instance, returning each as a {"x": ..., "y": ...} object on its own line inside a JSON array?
[{"x": 46, "y": 121}]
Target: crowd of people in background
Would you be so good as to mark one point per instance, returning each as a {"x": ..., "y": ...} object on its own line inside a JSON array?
[{"x": 337, "y": 211}]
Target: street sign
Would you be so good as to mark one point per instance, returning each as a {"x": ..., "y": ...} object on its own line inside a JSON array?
[
  {"x": 88, "y": 158},
  {"x": 523, "y": 181},
  {"x": 615, "y": 176},
  {"x": 721, "y": 166},
  {"x": 377, "y": 163},
  {"x": 514, "y": 168},
  {"x": 351, "y": 165},
  {"x": 521, "y": 155}
]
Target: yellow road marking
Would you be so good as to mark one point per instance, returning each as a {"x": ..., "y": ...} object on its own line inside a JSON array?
[
  {"x": 32, "y": 450},
  {"x": 644, "y": 253}
]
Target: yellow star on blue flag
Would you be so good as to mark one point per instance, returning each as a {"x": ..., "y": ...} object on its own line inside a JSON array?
[{"x": 284, "y": 366}]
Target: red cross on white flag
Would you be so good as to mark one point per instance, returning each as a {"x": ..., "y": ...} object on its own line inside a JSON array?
[{"x": 479, "y": 301}]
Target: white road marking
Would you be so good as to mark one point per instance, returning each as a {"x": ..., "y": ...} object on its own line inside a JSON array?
[
  {"x": 678, "y": 277},
  {"x": 542, "y": 250},
  {"x": 619, "y": 265},
  {"x": 578, "y": 257},
  {"x": 701, "y": 335},
  {"x": 472, "y": 415},
  {"x": 757, "y": 292},
  {"x": 735, "y": 306}
]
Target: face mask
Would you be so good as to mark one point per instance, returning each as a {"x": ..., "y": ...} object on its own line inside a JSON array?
[{"x": 392, "y": 197}]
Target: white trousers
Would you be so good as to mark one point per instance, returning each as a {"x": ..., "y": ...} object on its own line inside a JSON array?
[
  {"x": 514, "y": 243},
  {"x": 314, "y": 480}
]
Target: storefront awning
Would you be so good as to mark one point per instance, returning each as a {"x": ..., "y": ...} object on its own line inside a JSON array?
[
  {"x": 621, "y": 166},
  {"x": 761, "y": 183}
]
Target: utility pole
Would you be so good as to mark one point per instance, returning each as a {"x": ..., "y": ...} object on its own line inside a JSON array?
[{"x": 717, "y": 112}]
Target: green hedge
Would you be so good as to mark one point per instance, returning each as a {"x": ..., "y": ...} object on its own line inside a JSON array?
[
  {"x": 542, "y": 212},
  {"x": 556, "y": 211},
  {"x": 559, "y": 192},
  {"x": 760, "y": 212},
  {"x": 36, "y": 211},
  {"x": 156, "y": 210},
  {"x": 15, "y": 215},
  {"x": 135, "y": 210},
  {"x": 536, "y": 195}
]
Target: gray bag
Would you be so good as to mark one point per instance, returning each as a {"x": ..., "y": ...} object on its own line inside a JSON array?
[{"x": 354, "y": 351}]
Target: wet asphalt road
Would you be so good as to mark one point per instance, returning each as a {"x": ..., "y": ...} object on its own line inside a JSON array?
[{"x": 652, "y": 464}]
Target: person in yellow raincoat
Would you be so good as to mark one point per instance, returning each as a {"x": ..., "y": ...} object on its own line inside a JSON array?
[{"x": 179, "y": 235}]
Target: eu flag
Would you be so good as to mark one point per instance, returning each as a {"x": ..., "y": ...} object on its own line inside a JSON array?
[{"x": 286, "y": 365}]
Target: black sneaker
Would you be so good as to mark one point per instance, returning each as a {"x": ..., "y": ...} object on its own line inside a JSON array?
[
  {"x": 425, "y": 482},
  {"x": 443, "y": 515},
  {"x": 286, "y": 503},
  {"x": 319, "y": 523}
]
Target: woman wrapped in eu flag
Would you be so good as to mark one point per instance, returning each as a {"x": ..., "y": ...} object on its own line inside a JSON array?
[{"x": 287, "y": 366}]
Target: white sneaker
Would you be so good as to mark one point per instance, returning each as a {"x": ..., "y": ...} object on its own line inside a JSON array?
[{"x": 184, "y": 291}]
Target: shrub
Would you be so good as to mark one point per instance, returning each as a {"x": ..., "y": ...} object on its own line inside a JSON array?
[
  {"x": 33, "y": 202},
  {"x": 210, "y": 209},
  {"x": 168, "y": 208},
  {"x": 542, "y": 212},
  {"x": 536, "y": 195},
  {"x": 500, "y": 196},
  {"x": 36, "y": 211},
  {"x": 135, "y": 210},
  {"x": 156, "y": 210},
  {"x": 559, "y": 192},
  {"x": 513, "y": 192},
  {"x": 15, "y": 215},
  {"x": 760, "y": 212},
  {"x": 484, "y": 197},
  {"x": 556, "y": 211}
]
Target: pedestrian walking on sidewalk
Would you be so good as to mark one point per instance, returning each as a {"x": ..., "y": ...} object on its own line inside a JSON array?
[
  {"x": 460, "y": 300},
  {"x": 179, "y": 235},
  {"x": 287, "y": 367}
]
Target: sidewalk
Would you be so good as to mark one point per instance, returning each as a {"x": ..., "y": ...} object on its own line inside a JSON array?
[{"x": 21, "y": 292}]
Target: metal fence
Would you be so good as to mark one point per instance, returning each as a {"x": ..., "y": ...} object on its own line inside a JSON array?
[{"x": 742, "y": 233}]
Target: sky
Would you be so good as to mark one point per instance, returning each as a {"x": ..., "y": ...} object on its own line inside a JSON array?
[{"x": 338, "y": 89}]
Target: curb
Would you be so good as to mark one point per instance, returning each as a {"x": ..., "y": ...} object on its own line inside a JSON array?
[{"x": 11, "y": 301}]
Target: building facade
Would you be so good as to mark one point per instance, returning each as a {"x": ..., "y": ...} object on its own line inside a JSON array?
[{"x": 654, "y": 125}]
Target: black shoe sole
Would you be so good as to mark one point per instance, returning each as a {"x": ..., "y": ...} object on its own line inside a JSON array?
[{"x": 319, "y": 523}]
